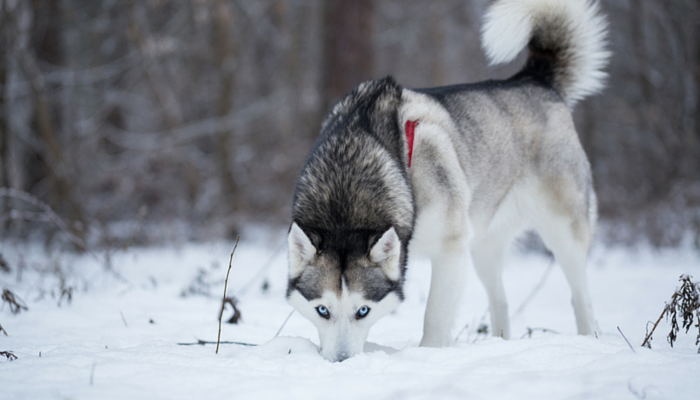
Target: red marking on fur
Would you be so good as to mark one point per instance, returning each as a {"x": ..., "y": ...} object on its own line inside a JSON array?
[{"x": 410, "y": 130}]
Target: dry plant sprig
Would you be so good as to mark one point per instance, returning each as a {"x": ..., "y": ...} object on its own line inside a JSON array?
[
  {"x": 66, "y": 293},
  {"x": 8, "y": 354},
  {"x": 3, "y": 330},
  {"x": 16, "y": 304},
  {"x": 686, "y": 301},
  {"x": 223, "y": 302}
]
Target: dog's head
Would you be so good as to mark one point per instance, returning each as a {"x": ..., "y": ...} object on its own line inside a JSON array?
[{"x": 344, "y": 282}]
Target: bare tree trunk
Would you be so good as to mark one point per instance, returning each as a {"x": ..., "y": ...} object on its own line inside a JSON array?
[
  {"x": 162, "y": 91},
  {"x": 697, "y": 89},
  {"x": 61, "y": 187},
  {"x": 225, "y": 53},
  {"x": 4, "y": 135},
  {"x": 347, "y": 48}
]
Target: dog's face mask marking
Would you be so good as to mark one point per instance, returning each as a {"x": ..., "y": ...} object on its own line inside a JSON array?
[{"x": 343, "y": 295}]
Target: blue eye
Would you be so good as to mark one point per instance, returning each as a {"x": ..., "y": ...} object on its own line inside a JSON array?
[
  {"x": 323, "y": 311},
  {"x": 362, "y": 312}
]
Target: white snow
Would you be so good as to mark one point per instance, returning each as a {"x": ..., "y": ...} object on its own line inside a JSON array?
[{"x": 85, "y": 349}]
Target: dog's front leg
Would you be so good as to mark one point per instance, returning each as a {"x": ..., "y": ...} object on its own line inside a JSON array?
[{"x": 449, "y": 272}]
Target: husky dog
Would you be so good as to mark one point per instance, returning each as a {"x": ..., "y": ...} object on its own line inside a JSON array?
[{"x": 455, "y": 173}]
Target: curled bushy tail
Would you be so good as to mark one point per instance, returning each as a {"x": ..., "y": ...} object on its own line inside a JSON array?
[{"x": 566, "y": 40}]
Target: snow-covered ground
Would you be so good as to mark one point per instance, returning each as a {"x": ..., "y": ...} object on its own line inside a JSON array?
[{"x": 118, "y": 337}]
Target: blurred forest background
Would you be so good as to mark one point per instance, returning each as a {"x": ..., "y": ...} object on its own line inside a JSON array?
[{"x": 139, "y": 121}]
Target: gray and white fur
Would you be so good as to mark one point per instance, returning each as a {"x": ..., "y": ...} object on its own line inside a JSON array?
[{"x": 490, "y": 160}]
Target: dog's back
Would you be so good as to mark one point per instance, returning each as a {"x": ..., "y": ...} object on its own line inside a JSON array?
[{"x": 508, "y": 133}]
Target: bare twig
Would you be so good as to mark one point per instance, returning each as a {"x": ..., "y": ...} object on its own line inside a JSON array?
[
  {"x": 155, "y": 74},
  {"x": 186, "y": 133},
  {"x": 625, "y": 337},
  {"x": 69, "y": 78},
  {"x": 647, "y": 339},
  {"x": 223, "y": 302},
  {"x": 66, "y": 293},
  {"x": 460, "y": 332},
  {"x": 92, "y": 373},
  {"x": 33, "y": 216},
  {"x": 284, "y": 323},
  {"x": 50, "y": 213},
  {"x": 123, "y": 319},
  {"x": 8, "y": 354},
  {"x": 534, "y": 290},
  {"x": 244, "y": 289},
  {"x": 201, "y": 342},
  {"x": 3, "y": 330}
]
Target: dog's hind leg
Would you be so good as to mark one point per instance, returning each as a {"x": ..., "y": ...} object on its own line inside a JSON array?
[
  {"x": 569, "y": 238},
  {"x": 488, "y": 251}
]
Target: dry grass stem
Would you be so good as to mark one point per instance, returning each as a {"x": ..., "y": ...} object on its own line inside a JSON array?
[
  {"x": 92, "y": 373},
  {"x": 647, "y": 339},
  {"x": 223, "y": 302},
  {"x": 123, "y": 319},
  {"x": 201, "y": 342},
  {"x": 261, "y": 272},
  {"x": 625, "y": 337},
  {"x": 284, "y": 323},
  {"x": 535, "y": 289}
]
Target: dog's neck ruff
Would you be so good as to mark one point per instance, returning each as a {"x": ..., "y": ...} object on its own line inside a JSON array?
[{"x": 410, "y": 133}]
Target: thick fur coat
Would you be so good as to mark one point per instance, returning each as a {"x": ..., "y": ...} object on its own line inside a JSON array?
[{"x": 490, "y": 160}]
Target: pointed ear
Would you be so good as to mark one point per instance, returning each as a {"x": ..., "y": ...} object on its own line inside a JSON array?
[
  {"x": 386, "y": 253},
  {"x": 301, "y": 250}
]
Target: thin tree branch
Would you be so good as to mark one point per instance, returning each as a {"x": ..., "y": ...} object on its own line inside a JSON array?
[
  {"x": 150, "y": 141},
  {"x": 48, "y": 211}
]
